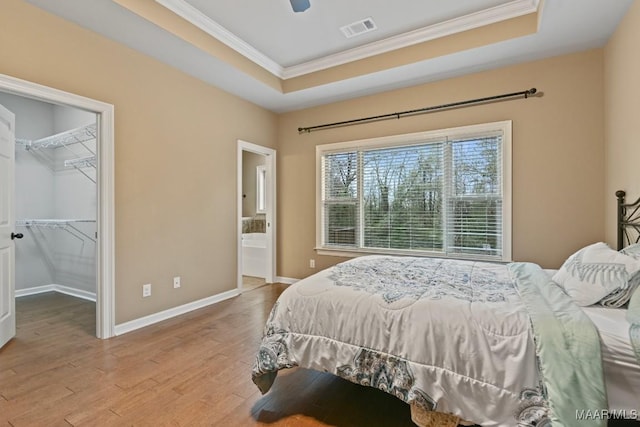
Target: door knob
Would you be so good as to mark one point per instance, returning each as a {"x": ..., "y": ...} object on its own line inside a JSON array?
[{"x": 16, "y": 236}]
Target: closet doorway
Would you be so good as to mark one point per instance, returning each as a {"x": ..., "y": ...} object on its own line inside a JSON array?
[
  {"x": 256, "y": 215},
  {"x": 62, "y": 205},
  {"x": 55, "y": 198}
]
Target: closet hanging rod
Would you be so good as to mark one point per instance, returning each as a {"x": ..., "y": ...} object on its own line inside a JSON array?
[{"x": 433, "y": 109}]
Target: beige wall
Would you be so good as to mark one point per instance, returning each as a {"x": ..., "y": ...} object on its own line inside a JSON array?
[
  {"x": 175, "y": 154},
  {"x": 558, "y": 150},
  {"x": 622, "y": 113}
]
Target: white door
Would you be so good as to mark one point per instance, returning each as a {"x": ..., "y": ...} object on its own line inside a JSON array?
[
  {"x": 270, "y": 193},
  {"x": 7, "y": 251}
]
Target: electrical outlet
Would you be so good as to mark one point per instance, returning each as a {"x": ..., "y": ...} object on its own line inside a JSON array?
[
  {"x": 176, "y": 282},
  {"x": 312, "y": 263},
  {"x": 146, "y": 290}
]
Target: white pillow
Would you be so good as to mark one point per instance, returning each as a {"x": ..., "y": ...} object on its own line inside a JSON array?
[
  {"x": 595, "y": 272},
  {"x": 633, "y": 250}
]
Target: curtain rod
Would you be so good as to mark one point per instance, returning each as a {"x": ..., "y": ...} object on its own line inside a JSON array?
[{"x": 524, "y": 93}]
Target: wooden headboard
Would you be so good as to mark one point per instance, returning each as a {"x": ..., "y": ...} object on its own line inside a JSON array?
[{"x": 628, "y": 221}]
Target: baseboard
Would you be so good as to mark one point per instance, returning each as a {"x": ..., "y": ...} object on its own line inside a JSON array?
[
  {"x": 34, "y": 291},
  {"x": 90, "y": 296},
  {"x": 132, "y": 325},
  {"x": 78, "y": 293},
  {"x": 286, "y": 280}
]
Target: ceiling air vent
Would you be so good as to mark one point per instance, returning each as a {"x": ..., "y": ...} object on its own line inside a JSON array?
[{"x": 358, "y": 28}]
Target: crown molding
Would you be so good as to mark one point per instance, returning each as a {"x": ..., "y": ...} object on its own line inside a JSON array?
[
  {"x": 211, "y": 27},
  {"x": 489, "y": 16},
  {"x": 471, "y": 21}
]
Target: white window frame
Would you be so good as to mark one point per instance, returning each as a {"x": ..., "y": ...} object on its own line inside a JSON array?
[{"x": 413, "y": 138}]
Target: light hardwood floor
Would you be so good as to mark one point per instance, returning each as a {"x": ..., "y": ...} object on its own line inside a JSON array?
[
  {"x": 250, "y": 283},
  {"x": 193, "y": 370}
]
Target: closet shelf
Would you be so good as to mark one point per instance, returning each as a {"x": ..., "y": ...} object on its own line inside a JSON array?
[
  {"x": 84, "y": 159},
  {"x": 63, "y": 139},
  {"x": 50, "y": 221},
  {"x": 68, "y": 225}
]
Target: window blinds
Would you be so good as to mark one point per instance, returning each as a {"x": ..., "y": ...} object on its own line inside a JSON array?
[
  {"x": 438, "y": 196},
  {"x": 474, "y": 214},
  {"x": 341, "y": 199}
]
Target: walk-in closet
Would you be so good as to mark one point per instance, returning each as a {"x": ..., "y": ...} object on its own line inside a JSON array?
[{"x": 55, "y": 199}]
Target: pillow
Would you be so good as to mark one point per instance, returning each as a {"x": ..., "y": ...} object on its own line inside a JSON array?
[
  {"x": 596, "y": 272},
  {"x": 632, "y": 250},
  {"x": 620, "y": 297}
]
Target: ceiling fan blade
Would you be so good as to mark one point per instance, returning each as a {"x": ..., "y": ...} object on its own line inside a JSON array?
[{"x": 300, "y": 5}]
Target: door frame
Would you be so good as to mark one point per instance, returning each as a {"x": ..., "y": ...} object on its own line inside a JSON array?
[
  {"x": 105, "y": 220},
  {"x": 270, "y": 164}
]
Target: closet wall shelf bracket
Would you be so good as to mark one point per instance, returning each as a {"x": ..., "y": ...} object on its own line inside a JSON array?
[{"x": 82, "y": 162}]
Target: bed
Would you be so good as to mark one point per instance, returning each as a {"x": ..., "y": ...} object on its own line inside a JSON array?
[{"x": 484, "y": 343}]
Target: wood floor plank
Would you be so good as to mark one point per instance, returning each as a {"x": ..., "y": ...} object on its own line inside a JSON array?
[
  {"x": 116, "y": 400},
  {"x": 13, "y": 409},
  {"x": 81, "y": 406},
  {"x": 102, "y": 418},
  {"x": 23, "y": 385}
]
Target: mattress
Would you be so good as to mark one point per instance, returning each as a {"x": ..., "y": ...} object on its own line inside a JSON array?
[{"x": 621, "y": 369}]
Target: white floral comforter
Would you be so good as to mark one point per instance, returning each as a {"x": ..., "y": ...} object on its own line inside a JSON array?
[{"x": 440, "y": 334}]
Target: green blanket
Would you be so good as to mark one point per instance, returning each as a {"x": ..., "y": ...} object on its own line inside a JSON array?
[
  {"x": 633, "y": 316},
  {"x": 568, "y": 348}
]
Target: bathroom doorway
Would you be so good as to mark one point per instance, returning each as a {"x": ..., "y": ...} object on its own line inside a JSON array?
[{"x": 256, "y": 215}]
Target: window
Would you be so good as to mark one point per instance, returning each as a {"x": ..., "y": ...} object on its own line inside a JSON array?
[{"x": 443, "y": 193}]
